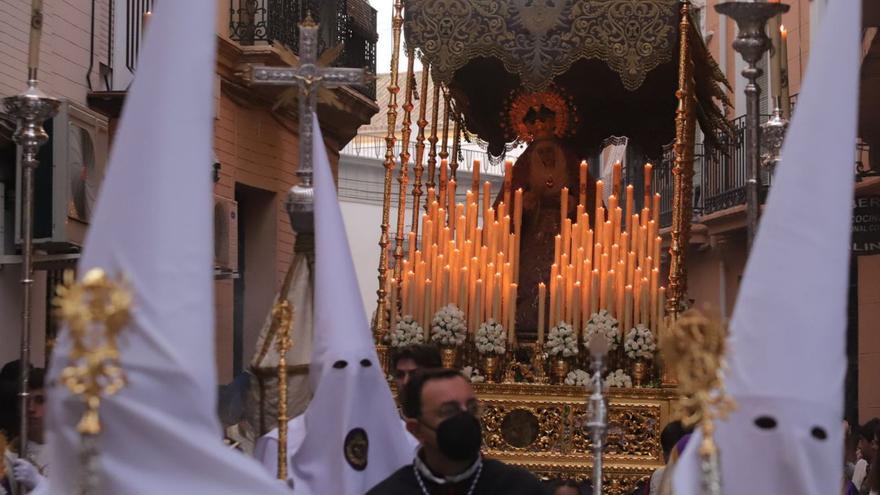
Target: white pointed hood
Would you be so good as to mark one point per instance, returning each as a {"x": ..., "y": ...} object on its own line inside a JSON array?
[
  {"x": 786, "y": 355},
  {"x": 153, "y": 224},
  {"x": 353, "y": 438}
]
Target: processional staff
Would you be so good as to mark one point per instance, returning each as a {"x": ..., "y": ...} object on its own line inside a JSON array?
[
  {"x": 309, "y": 77},
  {"x": 597, "y": 410},
  {"x": 30, "y": 109}
]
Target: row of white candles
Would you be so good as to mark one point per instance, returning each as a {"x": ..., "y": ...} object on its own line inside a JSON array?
[
  {"x": 468, "y": 256},
  {"x": 613, "y": 266}
]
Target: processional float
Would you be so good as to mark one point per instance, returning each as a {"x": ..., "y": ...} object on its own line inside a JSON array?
[{"x": 519, "y": 286}]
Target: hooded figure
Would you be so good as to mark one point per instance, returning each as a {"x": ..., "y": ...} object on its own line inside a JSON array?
[
  {"x": 786, "y": 354},
  {"x": 153, "y": 226},
  {"x": 353, "y": 435}
]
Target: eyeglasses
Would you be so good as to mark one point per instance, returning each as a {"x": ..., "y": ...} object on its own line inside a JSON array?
[{"x": 450, "y": 409}]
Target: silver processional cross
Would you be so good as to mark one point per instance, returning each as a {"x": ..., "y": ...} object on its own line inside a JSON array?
[{"x": 310, "y": 78}]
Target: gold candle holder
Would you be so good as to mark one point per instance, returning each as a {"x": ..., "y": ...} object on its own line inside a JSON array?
[
  {"x": 95, "y": 310},
  {"x": 282, "y": 316}
]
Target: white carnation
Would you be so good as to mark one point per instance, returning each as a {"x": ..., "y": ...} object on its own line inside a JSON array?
[
  {"x": 491, "y": 338},
  {"x": 406, "y": 332},
  {"x": 561, "y": 340},
  {"x": 602, "y": 323},
  {"x": 618, "y": 378},
  {"x": 448, "y": 326},
  {"x": 578, "y": 377},
  {"x": 639, "y": 343}
]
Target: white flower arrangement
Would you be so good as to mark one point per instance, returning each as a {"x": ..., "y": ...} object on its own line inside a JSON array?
[
  {"x": 639, "y": 343},
  {"x": 448, "y": 326},
  {"x": 602, "y": 323},
  {"x": 618, "y": 378},
  {"x": 578, "y": 377},
  {"x": 491, "y": 338},
  {"x": 472, "y": 374},
  {"x": 561, "y": 340},
  {"x": 406, "y": 332}
]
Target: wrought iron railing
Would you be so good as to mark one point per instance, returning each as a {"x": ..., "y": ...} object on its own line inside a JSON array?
[
  {"x": 375, "y": 147},
  {"x": 663, "y": 183},
  {"x": 351, "y": 23}
]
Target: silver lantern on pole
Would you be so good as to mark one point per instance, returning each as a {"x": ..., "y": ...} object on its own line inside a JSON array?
[
  {"x": 29, "y": 109},
  {"x": 752, "y": 43}
]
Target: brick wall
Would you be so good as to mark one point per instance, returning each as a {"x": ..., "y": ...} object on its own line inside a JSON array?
[{"x": 64, "y": 51}]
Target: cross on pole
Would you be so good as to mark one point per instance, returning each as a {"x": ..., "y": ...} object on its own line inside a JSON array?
[{"x": 309, "y": 77}]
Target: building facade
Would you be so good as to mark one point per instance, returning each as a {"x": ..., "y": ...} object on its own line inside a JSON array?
[
  {"x": 717, "y": 254},
  {"x": 89, "y": 57}
]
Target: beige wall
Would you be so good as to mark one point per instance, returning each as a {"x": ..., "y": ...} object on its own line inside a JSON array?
[{"x": 64, "y": 51}]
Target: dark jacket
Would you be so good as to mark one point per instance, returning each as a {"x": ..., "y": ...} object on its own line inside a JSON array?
[{"x": 496, "y": 478}]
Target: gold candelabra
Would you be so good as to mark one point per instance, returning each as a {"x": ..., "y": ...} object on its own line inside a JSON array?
[
  {"x": 95, "y": 310},
  {"x": 683, "y": 171}
]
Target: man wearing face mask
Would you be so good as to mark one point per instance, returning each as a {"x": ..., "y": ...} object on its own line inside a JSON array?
[{"x": 442, "y": 412}]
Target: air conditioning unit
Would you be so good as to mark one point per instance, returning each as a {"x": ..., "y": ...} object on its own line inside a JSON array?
[
  {"x": 225, "y": 235},
  {"x": 66, "y": 183}
]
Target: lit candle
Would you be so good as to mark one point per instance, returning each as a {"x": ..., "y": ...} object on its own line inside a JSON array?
[
  {"x": 612, "y": 207},
  {"x": 566, "y": 237},
  {"x": 563, "y": 206},
  {"x": 487, "y": 201},
  {"x": 655, "y": 277},
  {"x": 443, "y": 180},
  {"x": 560, "y": 295},
  {"x": 594, "y": 292},
  {"x": 661, "y": 311},
  {"x": 575, "y": 307},
  {"x": 463, "y": 289},
  {"x": 496, "y": 298},
  {"x": 542, "y": 302},
  {"x": 600, "y": 191},
  {"x": 517, "y": 211},
  {"x": 478, "y": 304},
  {"x": 628, "y": 308},
  {"x": 629, "y": 206},
  {"x": 569, "y": 299},
  {"x": 508, "y": 180},
  {"x": 557, "y": 248},
  {"x": 783, "y": 62},
  {"x": 610, "y": 293},
  {"x": 649, "y": 177},
  {"x": 489, "y": 289},
  {"x": 552, "y": 308},
  {"x": 655, "y": 211},
  {"x": 147, "y": 18},
  {"x": 511, "y": 319},
  {"x": 428, "y": 314},
  {"x": 618, "y": 287},
  {"x": 460, "y": 229},
  {"x": 475, "y": 179},
  {"x": 582, "y": 184},
  {"x": 393, "y": 309}
]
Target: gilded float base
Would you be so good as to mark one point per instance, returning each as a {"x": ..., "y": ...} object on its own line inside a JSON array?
[{"x": 540, "y": 428}]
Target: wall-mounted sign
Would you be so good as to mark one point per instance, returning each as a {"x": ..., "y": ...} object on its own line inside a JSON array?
[{"x": 866, "y": 225}]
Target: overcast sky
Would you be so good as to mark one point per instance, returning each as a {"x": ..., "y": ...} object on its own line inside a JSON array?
[{"x": 383, "y": 49}]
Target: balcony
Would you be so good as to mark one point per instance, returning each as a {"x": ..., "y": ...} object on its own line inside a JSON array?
[{"x": 351, "y": 23}]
